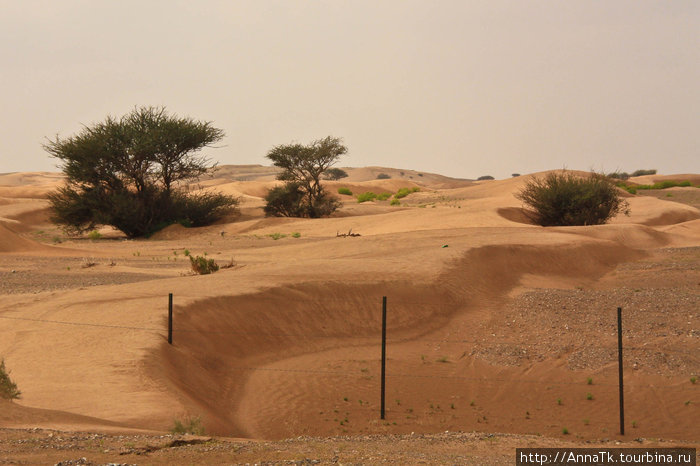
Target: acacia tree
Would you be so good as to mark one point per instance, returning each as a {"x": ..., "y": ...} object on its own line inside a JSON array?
[
  {"x": 125, "y": 173},
  {"x": 302, "y": 167}
]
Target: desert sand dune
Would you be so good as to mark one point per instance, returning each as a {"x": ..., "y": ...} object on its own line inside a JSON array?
[{"x": 271, "y": 347}]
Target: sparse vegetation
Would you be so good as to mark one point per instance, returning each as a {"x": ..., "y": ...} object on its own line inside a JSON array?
[
  {"x": 589, "y": 396},
  {"x": 364, "y": 197},
  {"x": 8, "y": 388},
  {"x": 276, "y": 236},
  {"x": 485, "y": 177},
  {"x": 565, "y": 199},
  {"x": 191, "y": 425},
  {"x": 565, "y": 431},
  {"x": 403, "y": 192},
  {"x": 345, "y": 191},
  {"x": 383, "y": 196},
  {"x": 589, "y": 381},
  {"x": 383, "y": 176},
  {"x": 94, "y": 235},
  {"x": 296, "y": 234},
  {"x": 395, "y": 202},
  {"x": 693, "y": 380},
  {"x": 202, "y": 265}
]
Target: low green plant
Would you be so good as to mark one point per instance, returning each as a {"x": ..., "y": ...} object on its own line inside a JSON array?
[
  {"x": 94, "y": 235},
  {"x": 559, "y": 401},
  {"x": 693, "y": 380},
  {"x": 565, "y": 431},
  {"x": 403, "y": 192},
  {"x": 395, "y": 202},
  {"x": 345, "y": 191},
  {"x": 383, "y": 176},
  {"x": 276, "y": 236},
  {"x": 191, "y": 425},
  {"x": 8, "y": 388},
  {"x": 586, "y": 422},
  {"x": 589, "y": 381},
  {"x": 634, "y": 424},
  {"x": 364, "y": 197},
  {"x": 202, "y": 265},
  {"x": 442, "y": 359},
  {"x": 589, "y": 396},
  {"x": 383, "y": 196},
  {"x": 296, "y": 234}
]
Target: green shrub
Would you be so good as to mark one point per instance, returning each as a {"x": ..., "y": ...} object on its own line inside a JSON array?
[
  {"x": 276, "y": 236},
  {"x": 345, "y": 191},
  {"x": 296, "y": 234},
  {"x": 644, "y": 172},
  {"x": 403, "y": 192},
  {"x": 383, "y": 176},
  {"x": 368, "y": 196},
  {"x": 8, "y": 389},
  {"x": 94, "y": 234},
  {"x": 395, "y": 202},
  {"x": 383, "y": 196},
  {"x": 203, "y": 208},
  {"x": 192, "y": 425},
  {"x": 202, "y": 265},
  {"x": 565, "y": 199},
  {"x": 485, "y": 177}
]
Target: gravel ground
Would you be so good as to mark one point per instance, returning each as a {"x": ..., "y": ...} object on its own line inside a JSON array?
[{"x": 660, "y": 298}]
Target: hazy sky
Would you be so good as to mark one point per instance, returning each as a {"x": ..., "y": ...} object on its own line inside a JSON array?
[{"x": 463, "y": 88}]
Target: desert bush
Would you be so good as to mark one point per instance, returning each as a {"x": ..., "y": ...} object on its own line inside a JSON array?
[
  {"x": 565, "y": 199},
  {"x": 485, "y": 177},
  {"x": 345, "y": 191},
  {"x": 383, "y": 196},
  {"x": 202, "y": 208},
  {"x": 403, "y": 192},
  {"x": 284, "y": 201},
  {"x": 202, "y": 265},
  {"x": 8, "y": 388},
  {"x": 644, "y": 172},
  {"x": 383, "y": 176},
  {"x": 94, "y": 234},
  {"x": 364, "y": 197},
  {"x": 395, "y": 202},
  {"x": 515, "y": 175},
  {"x": 619, "y": 175},
  {"x": 335, "y": 174},
  {"x": 192, "y": 425}
]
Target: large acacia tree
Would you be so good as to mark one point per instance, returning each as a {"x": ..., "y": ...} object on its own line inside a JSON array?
[
  {"x": 302, "y": 167},
  {"x": 125, "y": 173}
]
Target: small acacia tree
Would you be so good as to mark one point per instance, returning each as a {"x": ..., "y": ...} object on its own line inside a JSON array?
[
  {"x": 126, "y": 172},
  {"x": 566, "y": 199},
  {"x": 302, "y": 167}
]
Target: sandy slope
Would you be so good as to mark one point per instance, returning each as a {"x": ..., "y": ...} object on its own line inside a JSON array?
[{"x": 272, "y": 347}]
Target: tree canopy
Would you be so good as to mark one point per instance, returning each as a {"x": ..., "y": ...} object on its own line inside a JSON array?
[
  {"x": 302, "y": 167},
  {"x": 125, "y": 173}
]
